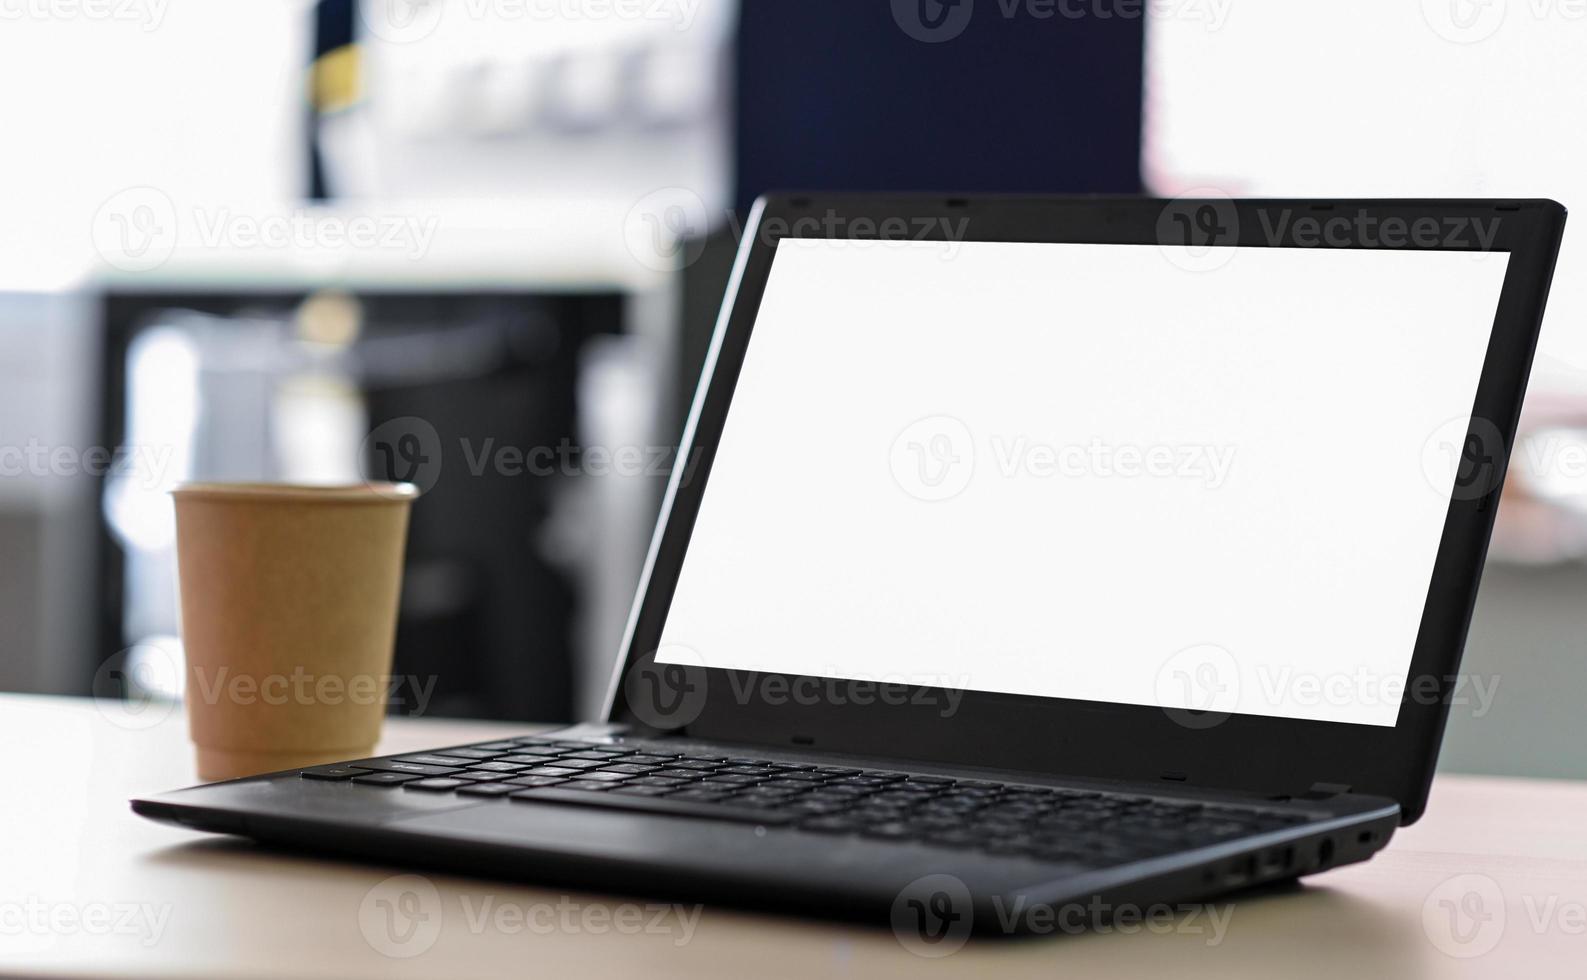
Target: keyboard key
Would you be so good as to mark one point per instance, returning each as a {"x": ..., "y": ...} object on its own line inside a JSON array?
[
  {"x": 595, "y": 754},
  {"x": 414, "y": 768},
  {"x": 891, "y": 830},
  {"x": 830, "y": 825},
  {"x": 436, "y": 760},
  {"x": 631, "y": 768},
  {"x": 498, "y": 767},
  {"x": 332, "y": 772},
  {"x": 518, "y": 758},
  {"x": 618, "y": 799},
  {"x": 534, "y": 781},
  {"x": 497, "y": 746},
  {"x": 487, "y": 789},
  {"x": 384, "y": 779},
  {"x": 437, "y": 785},
  {"x": 602, "y": 777},
  {"x": 479, "y": 755},
  {"x": 551, "y": 771}
]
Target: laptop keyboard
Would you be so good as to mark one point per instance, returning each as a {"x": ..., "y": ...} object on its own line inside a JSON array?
[{"x": 1043, "y": 822}]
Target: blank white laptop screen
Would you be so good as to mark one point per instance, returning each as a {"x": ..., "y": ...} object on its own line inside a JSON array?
[{"x": 1116, "y": 473}]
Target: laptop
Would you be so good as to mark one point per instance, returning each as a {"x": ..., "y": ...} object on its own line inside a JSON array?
[{"x": 1026, "y": 554}]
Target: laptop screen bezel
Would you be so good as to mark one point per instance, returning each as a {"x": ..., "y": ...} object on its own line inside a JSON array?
[{"x": 1269, "y": 755}]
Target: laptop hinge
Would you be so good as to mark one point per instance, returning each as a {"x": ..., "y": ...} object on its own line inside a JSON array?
[{"x": 1322, "y": 791}]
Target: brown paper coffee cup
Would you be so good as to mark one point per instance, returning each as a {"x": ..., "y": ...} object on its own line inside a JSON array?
[{"x": 289, "y": 612}]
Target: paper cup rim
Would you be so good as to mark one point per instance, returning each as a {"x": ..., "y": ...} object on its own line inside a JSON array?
[{"x": 374, "y": 492}]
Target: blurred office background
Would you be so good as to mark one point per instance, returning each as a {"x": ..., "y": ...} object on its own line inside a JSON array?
[{"x": 322, "y": 241}]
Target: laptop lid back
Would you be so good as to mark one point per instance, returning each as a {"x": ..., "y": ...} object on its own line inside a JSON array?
[{"x": 1189, "y": 490}]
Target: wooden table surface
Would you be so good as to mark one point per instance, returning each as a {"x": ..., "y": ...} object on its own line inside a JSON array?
[{"x": 1492, "y": 883}]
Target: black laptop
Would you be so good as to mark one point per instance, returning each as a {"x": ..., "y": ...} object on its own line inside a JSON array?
[{"x": 1031, "y": 553}]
